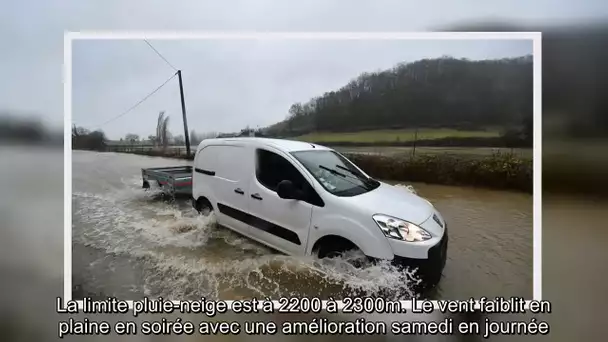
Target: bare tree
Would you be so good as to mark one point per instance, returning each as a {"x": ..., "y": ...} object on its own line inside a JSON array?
[
  {"x": 165, "y": 132},
  {"x": 78, "y": 131},
  {"x": 159, "y": 123},
  {"x": 86, "y": 140},
  {"x": 162, "y": 133}
]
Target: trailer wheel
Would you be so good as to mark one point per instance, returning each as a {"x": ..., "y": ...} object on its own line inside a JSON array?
[{"x": 203, "y": 206}]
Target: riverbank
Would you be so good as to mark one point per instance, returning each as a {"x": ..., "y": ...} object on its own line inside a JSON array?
[{"x": 499, "y": 171}]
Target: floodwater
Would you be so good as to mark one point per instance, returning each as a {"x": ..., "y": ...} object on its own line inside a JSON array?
[{"x": 130, "y": 243}]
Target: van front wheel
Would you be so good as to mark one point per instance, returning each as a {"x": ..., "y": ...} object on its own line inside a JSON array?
[{"x": 334, "y": 246}]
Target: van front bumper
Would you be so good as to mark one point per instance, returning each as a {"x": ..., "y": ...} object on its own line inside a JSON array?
[{"x": 429, "y": 270}]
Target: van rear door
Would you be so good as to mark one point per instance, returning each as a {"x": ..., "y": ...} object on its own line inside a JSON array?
[{"x": 229, "y": 184}]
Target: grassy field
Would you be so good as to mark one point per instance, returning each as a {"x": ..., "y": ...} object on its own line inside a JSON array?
[
  {"x": 388, "y": 135},
  {"x": 467, "y": 152}
]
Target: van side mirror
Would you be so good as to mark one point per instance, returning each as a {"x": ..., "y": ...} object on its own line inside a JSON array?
[{"x": 287, "y": 190}]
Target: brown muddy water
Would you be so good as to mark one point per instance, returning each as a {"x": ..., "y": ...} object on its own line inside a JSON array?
[{"x": 130, "y": 243}]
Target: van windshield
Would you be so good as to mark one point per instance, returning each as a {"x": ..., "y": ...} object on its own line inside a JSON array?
[{"x": 335, "y": 173}]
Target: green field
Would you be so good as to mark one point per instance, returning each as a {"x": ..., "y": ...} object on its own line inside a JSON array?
[{"x": 388, "y": 135}]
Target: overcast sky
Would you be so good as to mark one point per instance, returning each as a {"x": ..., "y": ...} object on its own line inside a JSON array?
[
  {"x": 32, "y": 31},
  {"x": 231, "y": 84}
]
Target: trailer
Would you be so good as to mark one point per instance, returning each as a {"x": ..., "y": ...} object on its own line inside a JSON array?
[{"x": 174, "y": 180}]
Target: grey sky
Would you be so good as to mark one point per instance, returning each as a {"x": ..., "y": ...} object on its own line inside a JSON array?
[
  {"x": 31, "y": 33},
  {"x": 230, "y": 84}
]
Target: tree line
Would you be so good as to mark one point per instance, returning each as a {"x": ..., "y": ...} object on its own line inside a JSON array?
[
  {"x": 83, "y": 138},
  {"x": 442, "y": 92}
]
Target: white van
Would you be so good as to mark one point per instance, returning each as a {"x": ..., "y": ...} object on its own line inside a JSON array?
[{"x": 302, "y": 199}]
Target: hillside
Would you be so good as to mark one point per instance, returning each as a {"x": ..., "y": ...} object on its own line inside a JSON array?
[{"x": 431, "y": 93}]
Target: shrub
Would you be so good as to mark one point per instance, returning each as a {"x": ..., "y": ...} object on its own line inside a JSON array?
[{"x": 500, "y": 170}]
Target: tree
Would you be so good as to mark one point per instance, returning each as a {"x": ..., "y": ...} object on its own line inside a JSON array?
[
  {"x": 162, "y": 132},
  {"x": 78, "y": 131},
  {"x": 296, "y": 112},
  {"x": 86, "y": 140}
]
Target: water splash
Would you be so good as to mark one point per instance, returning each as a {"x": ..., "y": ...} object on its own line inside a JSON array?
[
  {"x": 185, "y": 255},
  {"x": 407, "y": 187}
]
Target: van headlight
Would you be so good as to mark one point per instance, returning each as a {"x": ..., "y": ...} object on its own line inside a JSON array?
[{"x": 395, "y": 228}]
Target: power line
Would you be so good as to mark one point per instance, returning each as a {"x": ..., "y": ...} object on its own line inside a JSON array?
[
  {"x": 139, "y": 102},
  {"x": 160, "y": 55}
]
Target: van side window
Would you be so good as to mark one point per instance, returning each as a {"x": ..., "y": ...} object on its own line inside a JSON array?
[{"x": 272, "y": 168}]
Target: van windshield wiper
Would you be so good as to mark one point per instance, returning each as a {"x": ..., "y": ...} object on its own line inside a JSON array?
[
  {"x": 361, "y": 177},
  {"x": 338, "y": 173}
]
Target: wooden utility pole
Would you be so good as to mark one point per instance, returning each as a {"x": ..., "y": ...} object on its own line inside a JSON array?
[{"x": 181, "y": 92}]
